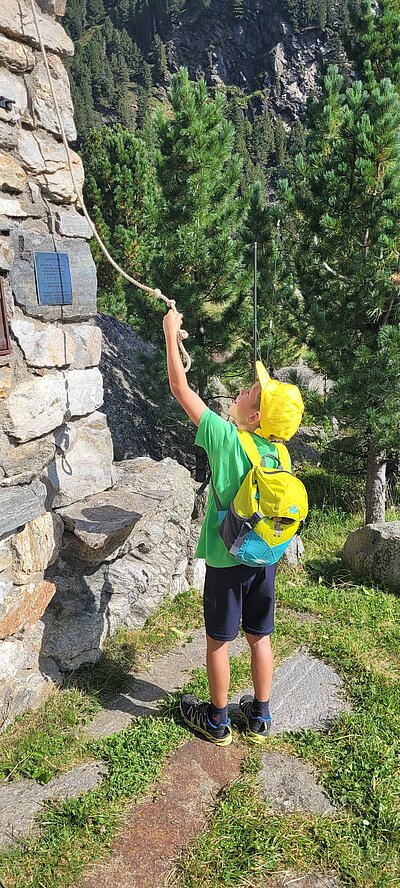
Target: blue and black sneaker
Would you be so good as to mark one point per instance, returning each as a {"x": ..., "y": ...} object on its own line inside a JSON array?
[
  {"x": 196, "y": 714},
  {"x": 257, "y": 727}
]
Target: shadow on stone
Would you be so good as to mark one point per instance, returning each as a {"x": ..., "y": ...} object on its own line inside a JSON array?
[{"x": 70, "y": 627}]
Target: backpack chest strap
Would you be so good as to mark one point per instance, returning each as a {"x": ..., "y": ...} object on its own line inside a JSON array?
[{"x": 251, "y": 451}]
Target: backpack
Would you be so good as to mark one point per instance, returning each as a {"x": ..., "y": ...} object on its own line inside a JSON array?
[{"x": 267, "y": 510}]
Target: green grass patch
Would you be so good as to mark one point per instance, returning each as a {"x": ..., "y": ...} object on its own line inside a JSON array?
[
  {"x": 75, "y": 833},
  {"x": 331, "y": 490},
  {"x": 39, "y": 744},
  {"x": 356, "y": 629},
  {"x": 352, "y": 625}
]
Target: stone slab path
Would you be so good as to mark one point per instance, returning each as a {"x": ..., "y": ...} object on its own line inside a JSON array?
[
  {"x": 288, "y": 784},
  {"x": 154, "y": 683},
  {"x": 157, "y": 829},
  {"x": 306, "y": 693},
  {"x": 22, "y": 800}
]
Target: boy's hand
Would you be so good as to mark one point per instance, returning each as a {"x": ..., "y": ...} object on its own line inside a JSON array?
[{"x": 172, "y": 323}]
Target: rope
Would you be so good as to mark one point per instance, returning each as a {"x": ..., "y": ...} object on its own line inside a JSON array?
[{"x": 150, "y": 290}]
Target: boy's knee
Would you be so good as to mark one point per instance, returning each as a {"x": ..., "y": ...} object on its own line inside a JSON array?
[
  {"x": 214, "y": 644},
  {"x": 258, "y": 640}
]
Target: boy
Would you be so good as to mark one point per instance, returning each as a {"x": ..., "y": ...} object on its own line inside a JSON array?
[{"x": 232, "y": 591}]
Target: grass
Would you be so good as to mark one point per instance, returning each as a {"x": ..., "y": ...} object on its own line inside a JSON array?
[
  {"x": 75, "y": 833},
  {"x": 358, "y": 760},
  {"x": 40, "y": 744},
  {"x": 354, "y": 626}
]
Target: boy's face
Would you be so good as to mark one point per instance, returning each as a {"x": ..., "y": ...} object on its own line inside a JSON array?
[{"x": 245, "y": 410}]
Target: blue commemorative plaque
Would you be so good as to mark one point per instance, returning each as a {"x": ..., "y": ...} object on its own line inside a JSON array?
[{"x": 53, "y": 278}]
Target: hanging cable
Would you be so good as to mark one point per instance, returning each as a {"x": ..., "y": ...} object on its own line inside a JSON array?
[
  {"x": 182, "y": 335},
  {"x": 273, "y": 299}
]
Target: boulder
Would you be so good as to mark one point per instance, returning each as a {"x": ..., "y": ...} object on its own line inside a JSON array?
[
  {"x": 16, "y": 20},
  {"x": 84, "y": 390},
  {"x": 83, "y": 463},
  {"x": 83, "y": 275},
  {"x": 50, "y": 345},
  {"x": 43, "y": 104},
  {"x": 35, "y": 406},
  {"x": 148, "y": 562},
  {"x": 12, "y": 176},
  {"x": 373, "y": 552},
  {"x": 23, "y": 462},
  {"x": 294, "y": 551},
  {"x": 76, "y": 620},
  {"x": 301, "y": 450},
  {"x": 24, "y": 606},
  {"x": 26, "y": 677},
  {"x": 36, "y": 546},
  {"x": 53, "y": 7},
  {"x": 19, "y": 505},
  {"x": 98, "y": 525},
  {"x": 301, "y": 374},
  {"x": 13, "y": 87},
  {"x": 142, "y": 422},
  {"x": 70, "y": 223},
  {"x": 16, "y": 56},
  {"x": 196, "y": 570}
]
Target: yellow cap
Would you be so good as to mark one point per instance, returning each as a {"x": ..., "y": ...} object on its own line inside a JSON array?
[{"x": 281, "y": 406}]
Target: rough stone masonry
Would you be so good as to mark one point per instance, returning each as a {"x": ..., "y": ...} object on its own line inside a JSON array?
[{"x": 85, "y": 547}]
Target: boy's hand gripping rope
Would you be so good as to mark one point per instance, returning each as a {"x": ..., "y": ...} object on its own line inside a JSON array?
[{"x": 182, "y": 335}]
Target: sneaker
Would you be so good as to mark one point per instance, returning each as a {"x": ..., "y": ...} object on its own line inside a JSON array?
[
  {"x": 195, "y": 713},
  {"x": 257, "y": 728}
]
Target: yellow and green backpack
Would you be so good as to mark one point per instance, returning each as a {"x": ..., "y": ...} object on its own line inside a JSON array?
[{"x": 267, "y": 510}]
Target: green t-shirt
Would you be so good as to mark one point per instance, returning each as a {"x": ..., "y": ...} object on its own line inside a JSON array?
[{"x": 229, "y": 466}]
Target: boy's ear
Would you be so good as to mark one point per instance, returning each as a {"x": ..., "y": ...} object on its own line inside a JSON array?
[{"x": 255, "y": 417}]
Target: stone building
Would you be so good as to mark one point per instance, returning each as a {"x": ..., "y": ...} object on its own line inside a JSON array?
[{"x": 85, "y": 545}]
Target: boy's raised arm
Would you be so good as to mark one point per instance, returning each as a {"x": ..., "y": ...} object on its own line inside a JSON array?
[{"x": 187, "y": 398}]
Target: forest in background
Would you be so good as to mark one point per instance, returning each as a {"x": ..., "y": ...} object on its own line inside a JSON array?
[
  {"x": 178, "y": 205},
  {"x": 125, "y": 54}
]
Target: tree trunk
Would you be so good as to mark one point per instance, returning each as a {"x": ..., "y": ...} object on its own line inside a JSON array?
[{"x": 375, "y": 488}]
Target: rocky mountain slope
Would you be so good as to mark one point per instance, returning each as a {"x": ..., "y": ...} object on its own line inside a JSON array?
[{"x": 268, "y": 53}]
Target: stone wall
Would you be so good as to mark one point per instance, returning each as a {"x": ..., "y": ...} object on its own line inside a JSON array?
[{"x": 84, "y": 547}]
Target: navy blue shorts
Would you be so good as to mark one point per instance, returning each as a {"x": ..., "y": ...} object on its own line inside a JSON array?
[{"x": 234, "y": 593}]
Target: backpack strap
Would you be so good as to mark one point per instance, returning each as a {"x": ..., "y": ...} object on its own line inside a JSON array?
[
  {"x": 284, "y": 456},
  {"x": 250, "y": 449}
]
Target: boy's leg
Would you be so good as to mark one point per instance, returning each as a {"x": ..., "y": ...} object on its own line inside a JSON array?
[
  {"x": 222, "y": 613},
  {"x": 258, "y": 624},
  {"x": 218, "y": 671},
  {"x": 262, "y": 665}
]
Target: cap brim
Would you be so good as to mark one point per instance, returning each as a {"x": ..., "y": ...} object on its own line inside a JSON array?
[{"x": 262, "y": 373}]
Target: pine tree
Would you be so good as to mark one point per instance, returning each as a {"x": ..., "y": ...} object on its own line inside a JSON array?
[
  {"x": 120, "y": 191},
  {"x": 198, "y": 259},
  {"x": 160, "y": 58},
  {"x": 346, "y": 194},
  {"x": 238, "y": 9},
  {"x": 372, "y": 33},
  {"x": 263, "y": 142},
  {"x": 279, "y": 336},
  {"x": 281, "y": 140},
  {"x": 242, "y": 137}
]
